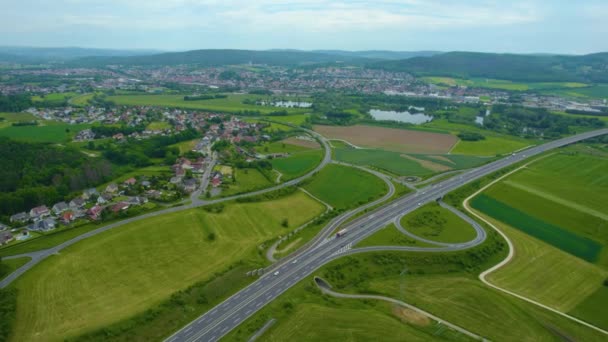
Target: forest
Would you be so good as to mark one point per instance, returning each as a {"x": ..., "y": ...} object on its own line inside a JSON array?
[{"x": 32, "y": 174}]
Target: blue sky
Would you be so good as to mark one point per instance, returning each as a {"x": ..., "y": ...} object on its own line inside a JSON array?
[{"x": 557, "y": 26}]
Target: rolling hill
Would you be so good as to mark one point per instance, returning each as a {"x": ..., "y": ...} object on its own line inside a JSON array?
[
  {"x": 218, "y": 57},
  {"x": 529, "y": 68}
]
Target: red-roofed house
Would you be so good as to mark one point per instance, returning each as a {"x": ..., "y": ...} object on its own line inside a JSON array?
[
  {"x": 94, "y": 212},
  {"x": 120, "y": 206},
  {"x": 67, "y": 217}
]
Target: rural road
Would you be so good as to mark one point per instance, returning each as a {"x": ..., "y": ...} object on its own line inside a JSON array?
[
  {"x": 326, "y": 288},
  {"x": 224, "y": 317},
  {"x": 38, "y": 256}
]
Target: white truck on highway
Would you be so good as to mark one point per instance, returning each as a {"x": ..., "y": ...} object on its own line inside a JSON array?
[{"x": 341, "y": 233}]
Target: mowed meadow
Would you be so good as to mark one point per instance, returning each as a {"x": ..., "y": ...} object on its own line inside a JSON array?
[
  {"x": 554, "y": 210},
  {"x": 122, "y": 272},
  {"x": 231, "y": 104}
]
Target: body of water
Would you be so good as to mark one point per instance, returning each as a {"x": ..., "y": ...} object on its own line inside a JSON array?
[{"x": 416, "y": 118}]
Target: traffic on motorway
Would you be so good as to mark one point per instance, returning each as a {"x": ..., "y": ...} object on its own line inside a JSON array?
[{"x": 217, "y": 322}]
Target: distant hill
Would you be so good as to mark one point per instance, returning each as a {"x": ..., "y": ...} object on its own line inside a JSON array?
[
  {"x": 226, "y": 57},
  {"x": 530, "y": 68},
  {"x": 380, "y": 54},
  {"x": 23, "y": 54}
]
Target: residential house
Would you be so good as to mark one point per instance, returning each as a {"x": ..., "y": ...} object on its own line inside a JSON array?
[
  {"x": 60, "y": 207},
  {"x": 3, "y": 227},
  {"x": 131, "y": 181},
  {"x": 136, "y": 200},
  {"x": 95, "y": 212},
  {"x": 175, "y": 180},
  {"x": 67, "y": 217},
  {"x": 20, "y": 218},
  {"x": 104, "y": 198},
  {"x": 77, "y": 203},
  {"x": 145, "y": 183},
  {"x": 112, "y": 188},
  {"x": 215, "y": 182},
  {"x": 38, "y": 213},
  {"x": 43, "y": 225},
  {"x": 119, "y": 207},
  {"x": 154, "y": 194},
  {"x": 5, "y": 237},
  {"x": 88, "y": 193},
  {"x": 190, "y": 185}
]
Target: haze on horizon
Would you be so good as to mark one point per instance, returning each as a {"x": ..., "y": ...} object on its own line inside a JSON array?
[{"x": 517, "y": 26}]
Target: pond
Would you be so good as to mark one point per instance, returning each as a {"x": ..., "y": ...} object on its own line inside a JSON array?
[{"x": 416, "y": 118}]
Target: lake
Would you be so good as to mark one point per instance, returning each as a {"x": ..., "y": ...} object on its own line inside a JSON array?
[{"x": 416, "y": 118}]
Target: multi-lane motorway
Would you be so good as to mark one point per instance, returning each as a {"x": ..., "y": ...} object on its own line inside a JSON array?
[{"x": 217, "y": 322}]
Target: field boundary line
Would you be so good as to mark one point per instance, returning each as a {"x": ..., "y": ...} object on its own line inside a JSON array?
[
  {"x": 454, "y": 146},
  {"x": 329, "y": 207},
  {"x": 326, "y": 289},
  {"x": 482, "y": 275}
]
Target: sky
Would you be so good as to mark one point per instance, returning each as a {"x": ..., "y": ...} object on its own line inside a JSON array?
[{"x": 528, "y": 26}]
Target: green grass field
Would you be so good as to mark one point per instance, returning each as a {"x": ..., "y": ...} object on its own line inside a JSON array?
[
  {"x": 435, "y": 223},
  {"x": 493, "y": 144},
  {"x": 594, "y": 309},
  {"x": 571, "y": 183},
  {"x": 390, "y": 236},
  {"x": 54, "y": 97},
  {"x": 577, "y": 245},
  {"x": 246, "y": 180},
  {"x": 298, "y": 164},
  {"x": 490, "y": 146},
  {"x": 51, "y": 132},
  {"x": 545, "y": 273},
  {"x": 395, "y": 163},
  {"x": 503, "y": 84},
  {"x": 573, "y": 217},
  {"x": 81, "y": 100},
  {"x": 9, "y": 118},
  {"x": 290, "y": 119},
  {"x": 470, "y": 304},
  {"x": 232, "y": 104},
  {"x": 279, "y": 147},
  {"x": 599, "y": 91},
  {"x": 390, "y": 161},
  {"x": 158, "y": 125},
  {"x": 458, "y": 297},
  {"x": 8, "y": 266},
  {"x": 585, "y": 174},
  {"x": 141, "y": 264},
  {"x": 345, "y": 187},
  {"x": 186, "y": 146},
  {"x": 303, "y": 314}
]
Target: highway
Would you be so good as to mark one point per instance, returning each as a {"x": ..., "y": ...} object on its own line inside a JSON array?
[{"x": 224, "y": 317}]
